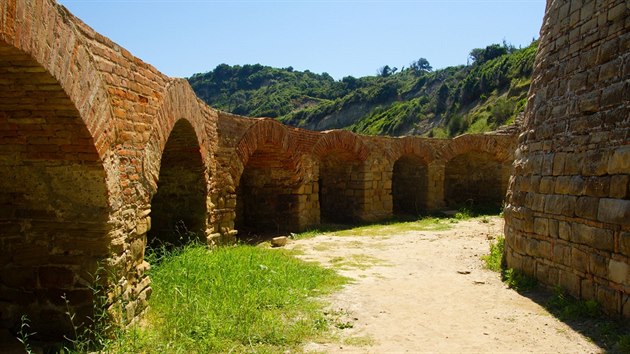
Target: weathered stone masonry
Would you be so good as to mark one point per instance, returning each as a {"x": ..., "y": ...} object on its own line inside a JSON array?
[
  {"x": 100, "y": 153},
  {"x": 568, "y": 212},
  {"x": 279, "y": 178}
]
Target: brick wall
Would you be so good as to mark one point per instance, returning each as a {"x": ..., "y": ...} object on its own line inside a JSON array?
[
  {"x": 338, "y": 176},
  {"x": 99, "y": 150},
  {"x": 568, "y": 214}
]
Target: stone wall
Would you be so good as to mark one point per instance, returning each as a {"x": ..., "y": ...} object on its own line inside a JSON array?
[
  {"x": 272, "y": 172},
  {"x": 83, "y": 125},
  {"x": 568, "y": 213}
]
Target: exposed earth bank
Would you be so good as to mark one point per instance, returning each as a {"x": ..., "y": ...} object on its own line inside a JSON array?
[{"x": 427, "y": 291}]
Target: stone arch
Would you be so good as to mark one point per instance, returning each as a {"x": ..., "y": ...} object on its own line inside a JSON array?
[
  {"x": 273, "y": 193},
  {"x": 178, "y": 168},
  {"x": 477, "y": 171},
  {"x": 342, "y": 176},
  {"x": 410, "y": 158},
  {"x": 265, "y": 132},
  {"x": 56, "y": 191}
]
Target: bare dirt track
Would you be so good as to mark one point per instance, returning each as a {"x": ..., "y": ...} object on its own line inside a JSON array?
[{"x": 427, "y": 291}]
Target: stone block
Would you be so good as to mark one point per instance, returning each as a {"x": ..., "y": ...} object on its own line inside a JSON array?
[
  {"x": 563, "y": 185},
  {"x": 597, "y": 186},
  {"x": 558, "y": 163},
  {"x": 560, "y": 204},
  {"x": 619, "y": 162},
  {"x": 579, "y": 260},
  {"x": 576, "y": 185},
  {"x": 538, "y": 202},
  {"x": 547, "y": 165},
  {"x": 608, "y": 298},
  {"x": 619, "y": 186},
  {"x": 541, "y": 226},
  {"x": 616, "y": 211},
  {"x": 595, "y": 163},
  {"x": 598, "y": 265},
  {"x": 586, "y": 207},
  {"x": 561, "y": 254},
  {"x": 553, "y": 228},
  {"x": 564, "y": 230},
  {"x": 613, "y": 95},
  {"x": 570, "y": 282},
  {"x": 595, "y": 237},
  {"x": 546, "y": 185},
  {"x": 573, "y": 165},
  {"x": 619, "y": 271}
]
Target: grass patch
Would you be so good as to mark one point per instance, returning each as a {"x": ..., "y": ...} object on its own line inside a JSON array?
[
  {"x": 359, "y": 261},
  {"x": 232, "y": 299},
  {"x": 565, "y": 307},
  {"x": 424, "y": 224},
  {"x": 494, "y": 260},
  {"x": 381, "y": 229},
  {"x": 587, "y": 316},
  {"x": 518, "y": 280}
]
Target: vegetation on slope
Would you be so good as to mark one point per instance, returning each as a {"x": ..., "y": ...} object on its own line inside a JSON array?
[{"x": 415, "y": 100}]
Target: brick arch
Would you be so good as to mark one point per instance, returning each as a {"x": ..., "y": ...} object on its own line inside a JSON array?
[
  {"x": 409, "y": 158},
  {"x": 179, "y": 103},
  {"x": 412, "y": 146},
  {"x": 272, "y": 190},
  {"x": 340, "y": 140},
  {"x": 265, "y": 132},
  {"x": 499, "y": 149},
  {"x": 177, "y": 168},
  {"x": 53, "y": 42},
  {"x": 477, "y": 170},
  {"x": 57, "y": 137}
]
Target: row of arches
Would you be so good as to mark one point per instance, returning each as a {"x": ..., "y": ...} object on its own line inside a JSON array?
[
  {"x": 69, "y": 195},
  {"x": 75, "y": 190},
  {"x": 338, "y": 187},
  {"x": 58, "y": 198}
]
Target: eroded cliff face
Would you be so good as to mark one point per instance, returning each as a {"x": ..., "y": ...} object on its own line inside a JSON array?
[{"x": 568, "y": 204}]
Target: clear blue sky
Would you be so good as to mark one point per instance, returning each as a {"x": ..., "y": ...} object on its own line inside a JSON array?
[{"x": 340, "y": 37}]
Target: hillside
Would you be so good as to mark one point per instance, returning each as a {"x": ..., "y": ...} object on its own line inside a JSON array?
[{"x": 413, "y": 101}]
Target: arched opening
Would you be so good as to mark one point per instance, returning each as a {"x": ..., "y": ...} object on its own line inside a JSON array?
[
  {"x": 178, "y": 208},
  {"x": 474, "y": 179},
  {"x": 341, "y": 187},
  {"x": 409, "y": 185},
  {"x": 272, "y": 198},
  {"x": 53, "y": 202}
]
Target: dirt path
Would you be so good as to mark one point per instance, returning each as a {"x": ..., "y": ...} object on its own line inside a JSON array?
[{"x": 426, "y": 291}]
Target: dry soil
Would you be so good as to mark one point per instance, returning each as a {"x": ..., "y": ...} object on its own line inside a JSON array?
[{"x": 427, "y": 291}]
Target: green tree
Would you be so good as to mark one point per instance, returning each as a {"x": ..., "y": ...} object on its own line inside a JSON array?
[{"x": 420, "y": 66}]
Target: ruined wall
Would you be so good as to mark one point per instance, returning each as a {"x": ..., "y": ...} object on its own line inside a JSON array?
[
  {"x": 341, "y": 177},
  {"x": 568, "y": 212},
  {"x": 100, "y": 152},
  {"x": 83, "y": 125}
]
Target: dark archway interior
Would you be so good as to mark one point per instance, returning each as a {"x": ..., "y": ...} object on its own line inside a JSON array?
[
  {"x": 53, "y": 202},
  {"x": 267, "y": 196},
  {"x": 410, "y": 185},
  {"x": 178, "y": 209},
  {"x": 474, "y": 178},
  {"x": 340, "y": 189}
]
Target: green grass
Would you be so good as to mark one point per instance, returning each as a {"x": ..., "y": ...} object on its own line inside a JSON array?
[
  {"x": 358, "y": 261},
  {"x": 380, "y": 229},
  {"x": 232, "y": 299},
  {"x": 494, "y": 259}
]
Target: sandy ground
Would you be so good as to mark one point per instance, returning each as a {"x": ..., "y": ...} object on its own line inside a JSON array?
[{"x": 427, "y": 291}]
